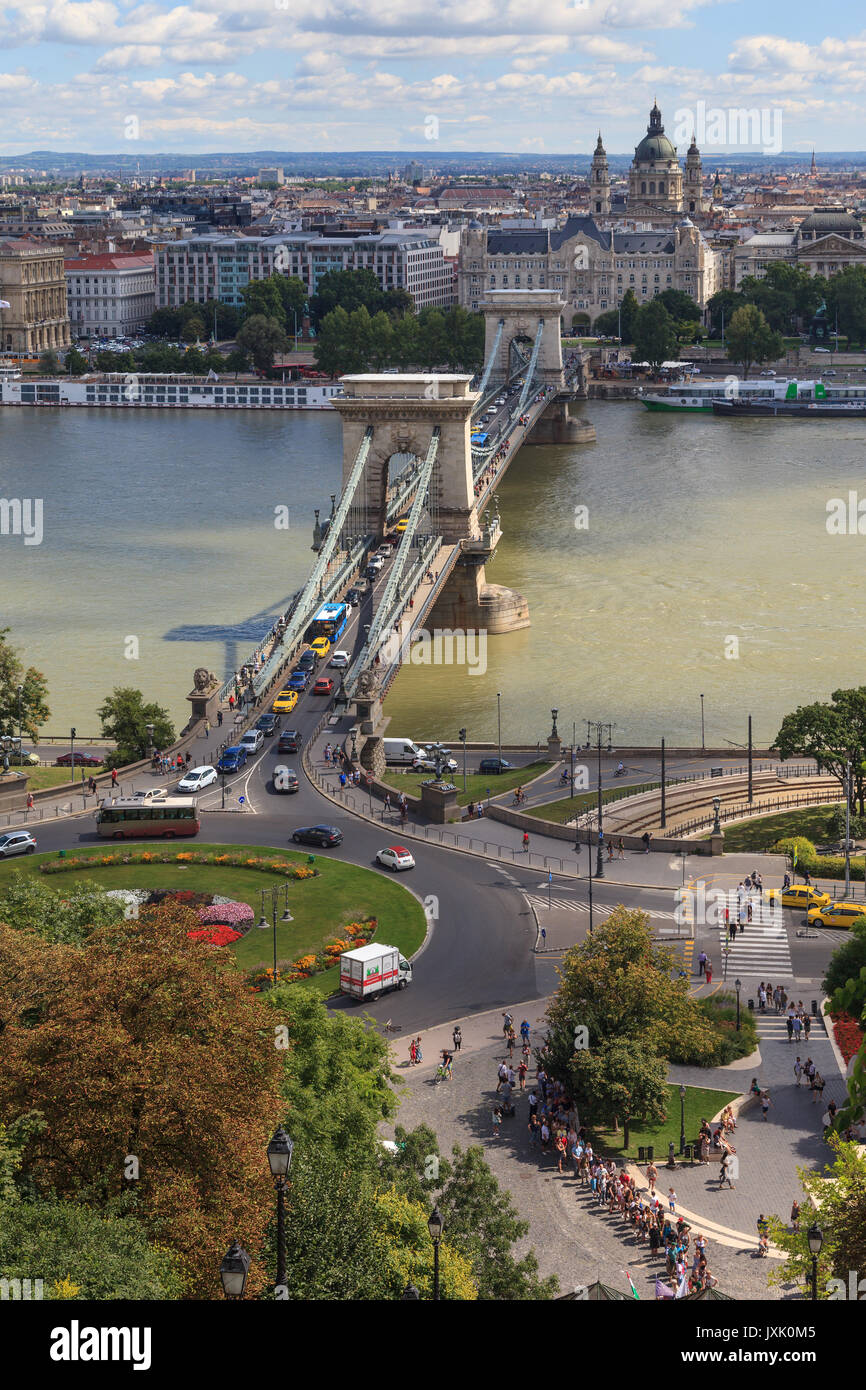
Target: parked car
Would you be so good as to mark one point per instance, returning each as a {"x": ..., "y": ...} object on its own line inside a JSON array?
[
  {"x": 252, "y": 741},
  {"x": 395, "y": 857},
  {"x": 325, "y": 836},
  {"x": 285, "y": 779},
  {"x": 285, "y": 701},
  {"x": 428, "y": 764},
  {"x": 23, "y": 757},
  {"x": 323, "y": 686},
  {"x": 290, "y": 741},
  {"x": 81, "y": 760},
  {"x": 268, "y": 723},
  {"x": 233, "y": 759},
  {"x": 197, "y": 779},
  {"x": 16, "y": 842},
  {"x": 495, "y": 765},
  {"x": 150, "y": 794}
]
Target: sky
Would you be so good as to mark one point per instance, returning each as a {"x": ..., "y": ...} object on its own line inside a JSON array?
[{"x": 533, "y": 76}]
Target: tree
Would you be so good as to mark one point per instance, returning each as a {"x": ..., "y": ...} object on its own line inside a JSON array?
[
  {"x": 751, "y": 340},
  {"x": 237, "y": 361},
  {"x": 158, "y": 357},
  {"x": 432, "y": 338},
  {"x": 619, "y": 983},
  {"x": 262, "y": 337},
  {"x": 29, "y": 904},
  {"x": 833, "y": 734},
  {"x": 293, "y": 296},
  {"x": 346, "y": 289},
  {"x": 332, "y": 351},
  {"x": 262, "y": 299},
  {"x": 839, "y": 1194},
  {"x": 627, "y": 316},
  {"x": 194, "y": 361},
  {"x": 607, "y": 325},
  {"x": 157, "y": 1078},
  {"x": 784, "y": 294},
  {"x": 381, "y": 341},
  {"x": 76, "y": 362},
  {"x": 680, "y": 306},
  {"x": 193, "y": 330},
  {"x": 29, "y": 711},
  {"x": 49, "y": 362},
  {"x": 621, "y": 1081},
  {"x": 164, "y": 323},
  {"x": 405, "y": 342},
  {"x": 125, "y": 718},
  {"x": 655, "y": 339},
  {"x": 721, "y": 308},
  {"x": 846, "y": 302}
]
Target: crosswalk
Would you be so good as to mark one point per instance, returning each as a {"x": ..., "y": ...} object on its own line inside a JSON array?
[
  {"x": 761, "y": 951},
  {"x": 540, "y": 901}
]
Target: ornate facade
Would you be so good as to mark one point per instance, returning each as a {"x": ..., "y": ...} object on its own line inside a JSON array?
[{"x": 33, "y": 283}]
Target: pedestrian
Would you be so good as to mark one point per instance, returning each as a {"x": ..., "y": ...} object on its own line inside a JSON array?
[
  {"x": 725, "y": 1171},
  {"x": 206, "y": 727},
  {"x": 231, "y": 704},
  {"x": 533, "y": 1103},
  {"x": 412, "y": 1058},
  {"x": 534, "y": 1129},
  {"x": 457, "y": 1038},
  {"x": 510, "y": 1042},
  {"x": 620, "y": 846},
  {"x": 524, "y": 1031},
  {"x": 507, "y": 1023},
  {"x": 765, "y": 1104},
  {"x": 798, "y": 1071},
  {"x": 702, "y": 961},
  {"x": 526, "y": 840},
  {"x": 786, "y": 882},
  {"x": 470, "y": 810},
  {"x": 497, "y": 1118},
  {"x": 30, "y": 799},
  {"x": 708, "y": 970},
  {"x": 647, "y": 840},
  {"x": 672, "y": 1200},
  {"x": 807, "y": 1026},
  {"x": 797, "y": 1025},
  {"x": 795, "y": 1216},
  {"x": 652, "y": 1173},
  {"x": 502, "y": 1073},
  {"x": 387, "y": 804},
  {"x": 521, "y": 1073},
  {"x": 418, "y": 1052},
  {"x": 114, "y": 777}
]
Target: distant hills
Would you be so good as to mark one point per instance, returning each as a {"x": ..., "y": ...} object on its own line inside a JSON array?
[{"x": 345, "y": 163}]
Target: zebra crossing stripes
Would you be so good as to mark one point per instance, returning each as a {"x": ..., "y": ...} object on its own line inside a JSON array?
[
  {"x": 540, "y": 900},
  {"x": 760, "y": 950}
]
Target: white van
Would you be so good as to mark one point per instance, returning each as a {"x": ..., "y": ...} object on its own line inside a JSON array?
[{"x": 401, "y": 750}]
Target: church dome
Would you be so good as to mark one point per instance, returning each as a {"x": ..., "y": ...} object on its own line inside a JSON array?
[{"x": 655, "y": 145}]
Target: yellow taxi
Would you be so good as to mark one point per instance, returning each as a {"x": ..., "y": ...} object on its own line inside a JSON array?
[
  {"x": 321, "y": 646},
  {"x": 798, "y": 895},
  {"x": 836, "y": 915},
  {"x": 285, "y": 702},
  {"x": 401, "y": 525}
]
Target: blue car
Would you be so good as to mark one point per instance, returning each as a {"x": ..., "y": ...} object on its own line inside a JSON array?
[
  {"x": 298, "y": 680},
  {"x": 232, "y": 760}
]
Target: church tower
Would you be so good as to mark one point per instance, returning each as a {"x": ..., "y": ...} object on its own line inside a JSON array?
[
  {"x": 718, "y": 191},
  {"x": 693, "y": 192},
  {"x": 599, "y": 179}
]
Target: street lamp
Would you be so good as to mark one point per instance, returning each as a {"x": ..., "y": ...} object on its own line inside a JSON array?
[
  {"x": 410, "y": 1295},
  {"x": 717, "y": 829},
  {"x": 499, "y": 727},
  {"x": 280, "y": 1161},
  {"x": 434, "y": 1226},
  {"x": 149, "y": 730},
  {"x": 738, "y": 985},
  {"x": 553, "y": 732},
  {"x": 682, "y": 1119},
  {"x": 815, "y": 1237},
  {"x": 703, "y": 740},
  {"x": 462, "y": 737},
  {"x": 263, "y": 924},
  {"x": 234, "y": 1269},
  {"x": 20, "y": 749},
  {"x": 599, "y": 729}
]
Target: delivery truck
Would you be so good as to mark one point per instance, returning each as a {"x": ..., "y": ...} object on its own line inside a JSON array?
[{"x": 368, "y": 971}]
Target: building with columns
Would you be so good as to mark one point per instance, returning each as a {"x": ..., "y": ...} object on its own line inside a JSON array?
[
  {"x": 33, "y": 282},
  {"x": 590, "y": 267}
]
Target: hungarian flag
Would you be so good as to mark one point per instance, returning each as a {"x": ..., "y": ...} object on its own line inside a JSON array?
[{"x": 634, "y": 1291}]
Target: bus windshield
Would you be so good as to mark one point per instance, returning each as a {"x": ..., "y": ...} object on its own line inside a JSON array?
[{"x": 330, "y": 621}]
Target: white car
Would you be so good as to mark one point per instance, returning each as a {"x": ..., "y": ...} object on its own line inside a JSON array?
[
  {"x": 16, "y": 842},
  {"x": 339, "y": 660},
  {"x": 428, "y": 764},
  {"x": 252, "y": 741},
  {"x": 196, "y": 779},
  {"x": 395, "y": 857},
  {"x": 150, "y": 794}
]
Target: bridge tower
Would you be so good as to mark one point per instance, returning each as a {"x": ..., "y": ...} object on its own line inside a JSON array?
[
  {"x": 403, "y": 410},
  {"x": 514, "y": 316}
]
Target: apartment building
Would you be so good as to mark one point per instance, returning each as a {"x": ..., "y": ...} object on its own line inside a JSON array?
[{"x": 110, "y": 296}]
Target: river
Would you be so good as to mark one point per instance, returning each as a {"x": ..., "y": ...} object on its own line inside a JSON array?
[{"x": 705, "y": 567}]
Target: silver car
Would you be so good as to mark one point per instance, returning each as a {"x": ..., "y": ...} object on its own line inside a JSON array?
[{"x": 16, "y": 842}]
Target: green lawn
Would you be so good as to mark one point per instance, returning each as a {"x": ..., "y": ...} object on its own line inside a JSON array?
[
  {"x": 39, "y": 777},
  {"x": 563, "y": 811},
  {"x": 700, "y": 1104},
  {"x": 761, "y": 834},
  {"x": 476, "y": 786},
  {"x": 320, "y": 906}
]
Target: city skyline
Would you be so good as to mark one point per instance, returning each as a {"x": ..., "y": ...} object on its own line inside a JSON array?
[{"x": 112, "y": 76}]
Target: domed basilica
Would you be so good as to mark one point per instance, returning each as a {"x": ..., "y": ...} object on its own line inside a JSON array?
[{"x": 657, "y": 188}]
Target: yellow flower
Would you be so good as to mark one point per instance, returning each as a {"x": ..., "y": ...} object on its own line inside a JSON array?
[{"x": 64, "y": 1288}]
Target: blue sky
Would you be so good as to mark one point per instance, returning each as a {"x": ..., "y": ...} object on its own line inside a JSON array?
[{"x": 501, "y": 75}]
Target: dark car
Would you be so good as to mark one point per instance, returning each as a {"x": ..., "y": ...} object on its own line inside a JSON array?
[
  {"x": 81, "y": 760},
  {"x": 232, "y": 760},
  {"x": 285, "y": 780},
  {"x": 308, "y": 661},
  {"x": 268, "y": 723},
  {"x": 298, "y": 680},
  {"x": 289, "y": 742},
  {"x": 321, "y": 835},
  {"x": 353, "y": 597},
  {"x": 495, "y": 765}
]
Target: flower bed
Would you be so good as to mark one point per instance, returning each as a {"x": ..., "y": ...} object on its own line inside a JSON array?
[
  {"x": 353, "y": 934},
  {"x": 236, "y": 861},
  {"x": 848, "y": 1035},
  {"x": 239, "y": 915},
  {"x": 216, "y": 936}
]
